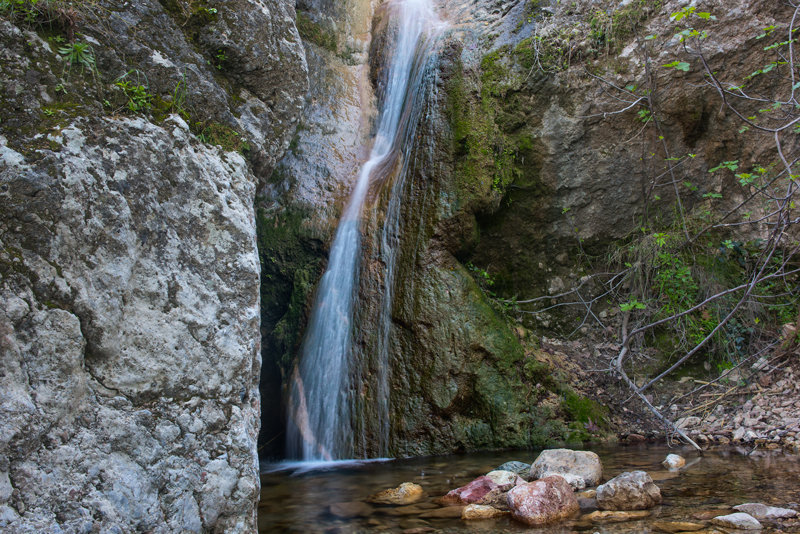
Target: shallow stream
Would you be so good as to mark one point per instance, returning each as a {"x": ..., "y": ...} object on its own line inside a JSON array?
[{"x": 298, "y": 500}]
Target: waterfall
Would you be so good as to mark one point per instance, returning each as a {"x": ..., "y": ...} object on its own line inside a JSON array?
[{"x": 319, "y": 423}]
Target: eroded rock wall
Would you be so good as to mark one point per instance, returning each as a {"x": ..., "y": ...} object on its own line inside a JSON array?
[{"x": 129, "y": 274}]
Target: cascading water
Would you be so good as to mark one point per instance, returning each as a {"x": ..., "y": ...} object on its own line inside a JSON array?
[{"x": 319, "y": 422}]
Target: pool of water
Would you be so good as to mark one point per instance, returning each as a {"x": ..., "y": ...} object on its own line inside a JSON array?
[{"x": 297, "y": 497}]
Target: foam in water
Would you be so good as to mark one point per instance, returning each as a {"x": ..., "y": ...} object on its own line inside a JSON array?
[{"x": 319, "y": 422}]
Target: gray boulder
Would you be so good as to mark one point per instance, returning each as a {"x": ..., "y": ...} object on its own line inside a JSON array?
[
  {"x": 583, "y": 464},
  {"x": 629, "y": 491}
]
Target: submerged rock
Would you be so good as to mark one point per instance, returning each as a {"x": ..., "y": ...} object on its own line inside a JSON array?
[
  {"x": 739, "y": 520},
  {"x": 587, "y": 504},
  {"x": 541, "y": 502},
  {"x": 405, "y": 493},
  {"x": 347, "y": 510},
  {"x": 629, "y": 491},
  {"x": 583, "y": 464},
  {"x": 480, "y": 511},
  {"x": 762, "y": 511},
  {"x": 673, "y": 461},
  {"x": 605, "y": 516},
  {"x": 448, "y": 512},
  {"x": 676, "y": 526}
]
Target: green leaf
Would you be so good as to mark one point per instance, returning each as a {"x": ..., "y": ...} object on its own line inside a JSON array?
[
  {"x": 679, "y": 65},
  {"x": 730, "y": 165},
  {"x": 632, "y": 304}
]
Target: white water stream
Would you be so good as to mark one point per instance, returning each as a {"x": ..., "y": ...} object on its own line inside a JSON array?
[{"x": 320, "y": 413}]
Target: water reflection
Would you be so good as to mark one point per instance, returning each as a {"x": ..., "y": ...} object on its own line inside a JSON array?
[{"x": 297, "y": 498}]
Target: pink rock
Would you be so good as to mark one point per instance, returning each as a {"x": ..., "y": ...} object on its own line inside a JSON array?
[
  {"x": 544, "y": 501},
  {"x": 473, "y": 493}
]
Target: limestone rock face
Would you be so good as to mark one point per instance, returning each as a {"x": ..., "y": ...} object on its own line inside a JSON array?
[
  {"x": 629, "y": 491},
  {"x": 131, "y": 349},
  {"x": 583, "y": 464},
  {"x": 544, "y": 501},
  {"x": 129, "y": 330}
]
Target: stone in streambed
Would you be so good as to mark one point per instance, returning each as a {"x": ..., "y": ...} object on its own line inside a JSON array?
[
  {"x": 587, "y": 505},
  {"x": 576, "y": 482},
  {"x": 584, "y": 464},
  {"x": 480, "y": 511},
  {"x": 505, "y": 479},
  {"x": 673, "y": 461},
  {"x": 476, "y": 492},
  {"x": 677, "y": 526},
  {"x": 629, "y": 491},
  {"x": 406, "y": 493},
  {"x": 739, "y": 520},
  {"x": 544, "y": 501},
  {"x": 520, "y": 468},
  {"x": 616, "y": 516},
  {"x": 448, "y": 512},
  {"x": 346, "y": 510},
  {"x": 762, "y": 511}
]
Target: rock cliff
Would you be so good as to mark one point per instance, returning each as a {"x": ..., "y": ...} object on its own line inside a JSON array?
[
  {"x": 529, "y": 161},
  {"x": 133, "y": 137}
]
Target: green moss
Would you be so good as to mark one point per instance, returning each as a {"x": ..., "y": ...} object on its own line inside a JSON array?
[
  {"x": 218, "y": 134},
  {"x": 487, "y": 140},
  {"x": 582, "y": 410},
  {"x": 291, "y": 263},
  {"x": 313, "y": 32}
]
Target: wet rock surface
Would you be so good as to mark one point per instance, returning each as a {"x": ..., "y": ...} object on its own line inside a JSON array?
[
  {"x": 739, "y": 521},
  {"x": 405, "y": 493},
  {"x": 629, "y": 491},
  {"x": 544, "y": 501},
  {"x": 762, "y": 511},
  {"x": 695, "y": 495},
  {"x": 478, "y": 491}
]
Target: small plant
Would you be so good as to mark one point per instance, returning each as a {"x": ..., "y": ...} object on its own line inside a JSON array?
[
  {"x": 215, "y": 133},
  {"x": 79, "y": 53},
  {"x": 179, "y": 95},
  {"x": 139, "y": 99},
  {"x": 221, "y": 59}
]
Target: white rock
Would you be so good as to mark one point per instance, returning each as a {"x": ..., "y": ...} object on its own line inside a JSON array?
[
  {"x": 505, "y": 479},
  {"x": 584, "y": 464},
  {"x": 762, "y": 511},
  {"x": 687, "y": 422},
  {"x": 738, "y": 520},
  {"x": 673, "y": 461}
]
